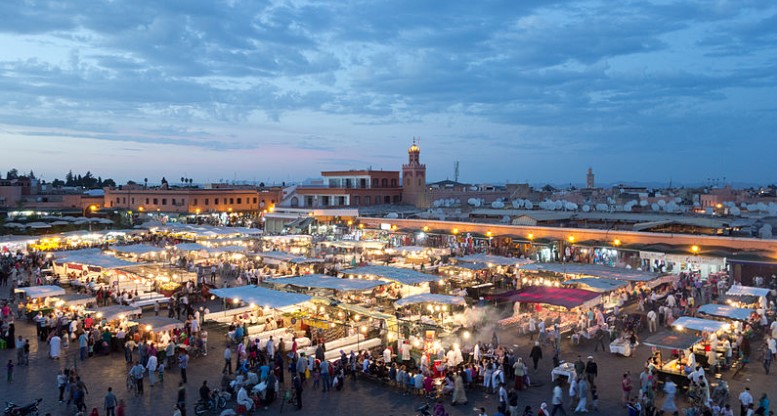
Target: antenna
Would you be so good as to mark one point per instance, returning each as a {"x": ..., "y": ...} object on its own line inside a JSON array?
[{"x": 456, "y": 171}]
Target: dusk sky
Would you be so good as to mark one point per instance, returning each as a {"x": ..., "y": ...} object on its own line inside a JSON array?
[{"x": 533, "y": 90}]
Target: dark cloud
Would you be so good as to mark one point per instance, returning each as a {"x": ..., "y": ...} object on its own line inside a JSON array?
[{"x": 585, "y": 76}]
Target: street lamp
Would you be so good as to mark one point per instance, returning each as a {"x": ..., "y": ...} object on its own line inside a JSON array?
[
  {"x": 616, "y": 242},
  {"x": 695, "y": 249}
]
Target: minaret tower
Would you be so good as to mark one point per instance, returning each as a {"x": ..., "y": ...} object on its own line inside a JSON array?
[
  {"x": 589, "y": 179},
  {"x": 414, "y": 178}
]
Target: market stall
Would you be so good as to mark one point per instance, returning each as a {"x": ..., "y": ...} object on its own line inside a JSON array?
[
  {"x": 549, "y": 304},
  {"x": 411, "y": 282},
  {"x": 727, "y": 312},
  {"x": 749, "y": 291},
  {"x": 675, "y": 367}
]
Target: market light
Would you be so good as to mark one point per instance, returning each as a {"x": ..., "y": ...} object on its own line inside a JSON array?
[
  {"x": 465, "y": 335},
  {"x": 357, "y": 317},
  {"x": 426, "y": 228},
  {"x": 99, "y": 314},
  {"x": 616, "y": 242},
  {"x": 695, "y": 249},
  {"x": 679, "y": 327},
  {"x": 455, "y": 231},
  {"x": 252, "y": 305},
  {"x": 430, "y": 307},
  {"x": 363, "y": 328},
  {"x": 121, "y": 316},
  {"x": 361, "y": 226},
  {"x": 571, "y": 239},
  {"x": 148, "y": 327},
  {"x": 441, "y": 282},
  {"x": 530, "y": 236},
  {"x": 390, "y": 336},
  {"x": 416, "y": 343},
  {"x": 235, "y": 301}
]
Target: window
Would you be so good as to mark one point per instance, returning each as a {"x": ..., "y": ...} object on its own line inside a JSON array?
[
  {"x": 146, "y": 201},
  {"x": 172, "y": 201},
  {"x": 377, "y": 199},
  {"x": 393, "y": 183},
  {"x": 132, "y": 201},
  {"x": 231, "y": 200},
  {"x": 367, "y": 200},
  {"x": 207, "y": 201},
  {"x": 118, "y": 199},
  {"x": 240, "y": 201},
  {"x": 419, "y": 181},
  {"x": 164, "y": 201},
  {"x": 324, "y": 200},
  {"x": 357, "y": 200},
  {"x": 156, "y": 201},
  {"x": 216, "y": 201},
  {"x": 384, "y": 183},
  {"x": 195, "y": 201},
  {"x": 362, "y": 183},
  {"x": 255, "y": 199},
  {"x": 387, "y": 199},
  {"x": 397, "y": 199},
  {"x": 124, "y": 200}
]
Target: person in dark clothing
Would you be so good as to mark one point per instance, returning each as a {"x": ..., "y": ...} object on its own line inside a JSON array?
[
  {"x": 536, "y": 354},
  {"x": 181, "y": 403},
  {"x": 599, "y": 340},
  {"x": 591, "y": 370},
  {"x": 297, "y": 383}
]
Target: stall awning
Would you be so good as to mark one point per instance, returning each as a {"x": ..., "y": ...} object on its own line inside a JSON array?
[
  {"x": 73, "y": 299},
  {"x": 95, "y": 259},
  {"x": 430, "y": 298},
  {"x": 558, "y": 296},
  {"x": 40, "y": 291},
  {"x": 698, "y": 324},
  {"x": 137, "y": 249},
  {"x": 747, "y": 291},
  {"x": 593, "y": 270},
  {"x": 726, "y": 311},
  {"x": 493, "y": 260},
  {"x": 261, "y": 296},
  {"x": 597, "y": 284},
  {"x": 395, "y": 274},
  {"x": 321, "y": 281},
  {"x": 158, "y": 323},
  {"x": 192, "y": 247},
  {"x": 110, "y": 313},
  {"x": 288, "y": 257},
  {"x": 672, "y": 340}
]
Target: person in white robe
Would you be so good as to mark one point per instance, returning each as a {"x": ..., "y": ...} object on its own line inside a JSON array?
[{"x": 55, "y": 346}]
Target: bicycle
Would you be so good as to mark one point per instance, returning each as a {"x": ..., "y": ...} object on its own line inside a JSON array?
[
  {"x": 132, "y": 386},
  {"x": 217, "y": 402}
]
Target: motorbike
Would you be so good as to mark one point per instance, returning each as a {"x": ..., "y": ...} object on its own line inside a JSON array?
[{"x": 30, "y": 409}]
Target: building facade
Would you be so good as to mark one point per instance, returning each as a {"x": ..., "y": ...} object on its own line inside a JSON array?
[
  {"x": 351, "y": 188},
  {"x": 191, "y": 200}
]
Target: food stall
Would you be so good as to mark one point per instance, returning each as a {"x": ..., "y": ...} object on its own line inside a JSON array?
[
  {"x": 727, "y": 312},
  {"x": 139, "y": 252},
  {"x": 675, "y": 368},
  {"x": 710, "y": 350},
  {"x": 37, "y": 298},
  {"x": 432, "y": 315},
  {"x": 298, "y": 244},
  {"x": 549, "y": 304},
  {"x": 350, "y": 251},
  {"x": 749, "y": 291},
  {"x": 411, "y": 282},
  {"x": 88, "y": 265},
  {"x": 285, "y": 262},
  {"x": 607, "y": 287}
]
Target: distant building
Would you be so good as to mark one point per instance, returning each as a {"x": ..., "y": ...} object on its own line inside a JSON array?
[
  {"x": 414, "y": 179},
  {"x": 589, "y": 179},
  {"x": 347, "y": 188},
  {"x": 191, "y": 200}
]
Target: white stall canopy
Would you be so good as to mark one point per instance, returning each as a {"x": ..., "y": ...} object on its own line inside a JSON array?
[{"x": 698, "y": 324}]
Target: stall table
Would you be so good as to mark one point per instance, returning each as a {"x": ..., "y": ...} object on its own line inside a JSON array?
[
  {"x": 564, "y": 370},
  {"x": 621, "y": 346}
]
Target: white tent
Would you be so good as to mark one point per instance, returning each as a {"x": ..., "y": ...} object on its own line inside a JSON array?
[
  {"x": 328, "y": 282},
  {"x": 261, "y": 296},
  {"x": 747, "y": 291},
  {"x": 430, "y": 298},
  {"x": 706, "y": 325},
  {"x": 40, "y": 291}
]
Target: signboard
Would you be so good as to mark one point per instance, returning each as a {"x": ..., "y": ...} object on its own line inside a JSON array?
[
  {"x": 317, "y": 324},
  {"x": 384, "y": 226}
]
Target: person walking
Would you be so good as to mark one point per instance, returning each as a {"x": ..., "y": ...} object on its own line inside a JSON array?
[
  {"x": 137, "y": 372},
  {"x": 227, "y": 360},
  {"x": 536, "y": 354},
  {"x": 558, "y": 400},
  {"x": 183, "y": 362},
  {"x": 652, "y": 321},
  {"x": 110, "y": 403},
  {"x": 591, "y": 370},
  {"x": 297, "y": 384},
  {"x": 669, "y": 406},
  {"x": 626, "y": 388},
  {"x": 599, "y": 340},
  {"x": 20, "y": 350},
  {"x": 745, "y": 400},
  {"x": 582, "y": 393},
  {"x": 181, "y": 401},
  {"x": 9, "y": 369},
  {"x": 83, "y": 346},
  {"x": 151, "y": 366},
  {"x": 61, "y": 384}
]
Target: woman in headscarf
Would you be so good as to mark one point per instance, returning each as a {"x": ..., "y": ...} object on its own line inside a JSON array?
[{"x": 459, "y": 395}]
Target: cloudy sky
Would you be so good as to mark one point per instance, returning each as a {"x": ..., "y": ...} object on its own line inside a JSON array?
[{"x": 535, "y": 90}]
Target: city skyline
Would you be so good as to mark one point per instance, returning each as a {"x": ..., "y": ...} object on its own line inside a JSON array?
[{"x": 533, "y": 92}]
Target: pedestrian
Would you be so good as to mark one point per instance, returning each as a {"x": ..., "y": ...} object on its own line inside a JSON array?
[
  {"x": 669, "y": 406},
  {"x": 183, "y": 362},
  {"x": 297, "y": 383},
  {"x": 9, "y": 367},
  {"x": 745, "y": 399},
  {"x": 181, "y": 401},
  {"x": 61, "y": 384},
  {"x": 582, "y": 393},
  {"x": 137, "y": 372},
  {"x": 767, "y": 360},
  {"x": 626, "y": 388},
  {"x": 591, "y": 371},
  {"x": 152, "y": 366},
  {"x": 599, "y": 340},
  {"x": 536, "y": 354},
  {"x": 27, "y": 352},
  {"x": 558, "y": 400},
  {"x": 110, "y": 403},
  {"x": 20, "y": 350}
]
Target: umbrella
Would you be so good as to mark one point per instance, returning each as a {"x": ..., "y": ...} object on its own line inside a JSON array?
[{"x": 38, "y": 225}]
